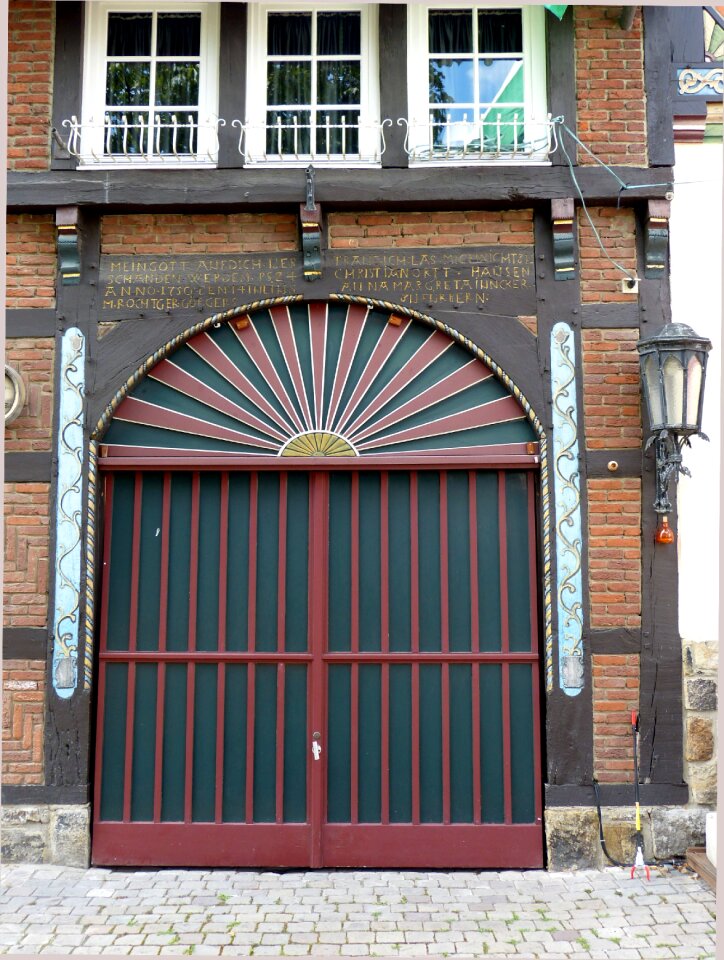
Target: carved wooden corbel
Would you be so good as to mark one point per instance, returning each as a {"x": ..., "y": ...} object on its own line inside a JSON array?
[
  {"x": 564, "y": 241},
  {"x": 66, "y": 222},
  {"x": 656, "y": 238}
]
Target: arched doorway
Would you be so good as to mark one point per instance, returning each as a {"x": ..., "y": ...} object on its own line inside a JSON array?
[{"x": 318, "y": 633}]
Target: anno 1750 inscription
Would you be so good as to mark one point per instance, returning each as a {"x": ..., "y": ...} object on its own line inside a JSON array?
[{"x": 494, "y": 279}]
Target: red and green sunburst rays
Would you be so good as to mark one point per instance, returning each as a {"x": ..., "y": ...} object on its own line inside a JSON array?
[{"x": 379, "y": 383}]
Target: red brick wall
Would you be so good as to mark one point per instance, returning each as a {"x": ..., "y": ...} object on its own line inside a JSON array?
[
  {"x": 30, "y": 260},
  {"x": 600, "y": 279},
  {"x": 614, "y": 551},
  {"x": 23, "y": 721},
  {"x": 33, "y": 359},
  {"x": 615, "y": 696},
  {"x": 25, "y": 602},
  {"x": 443, "y": 229},
  {"x": 31, "y": 38},
  {"x": 611, "y": 389},
  {"x": 610, "y": 92},
  {"x": 168, "y": 233}
]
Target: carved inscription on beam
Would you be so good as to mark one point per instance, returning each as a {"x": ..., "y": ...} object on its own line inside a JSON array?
[{"x": 493, "y": 279}]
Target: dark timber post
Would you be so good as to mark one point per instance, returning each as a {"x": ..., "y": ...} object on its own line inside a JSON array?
[
  {"x": 393, "y": 79},
  {"x": 232, "y": 80},
  {"x": 569, "y": 719}
]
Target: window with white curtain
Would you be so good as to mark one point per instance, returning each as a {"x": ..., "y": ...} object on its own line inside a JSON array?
[
  {"x": 312, "y": 91},
  {"x": 150, "y": 85}
]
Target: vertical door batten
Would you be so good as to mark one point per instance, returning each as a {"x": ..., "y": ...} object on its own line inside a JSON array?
[
  {"x": 385, "y": 644},
  {"x": 132, "y": 643},
  {"x": 319, "y": 495}
]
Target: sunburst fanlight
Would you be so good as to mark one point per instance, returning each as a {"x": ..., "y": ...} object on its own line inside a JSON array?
[
  {"x": 318, "y": 443},
  {"x": 320, "y": 380}
]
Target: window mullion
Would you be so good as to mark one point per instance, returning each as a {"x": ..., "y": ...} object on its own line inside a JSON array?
[
  {"x": 476, "y": 67},
  {"x": 313, "y": 105},
  {"x": 152, "y": 86}
]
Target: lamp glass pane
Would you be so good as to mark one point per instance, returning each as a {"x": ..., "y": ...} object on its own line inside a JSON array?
[
  {"x": 674, "y": 390},
  {"x": 653, "y": 394},
  {"x": 693, "y": 390}
]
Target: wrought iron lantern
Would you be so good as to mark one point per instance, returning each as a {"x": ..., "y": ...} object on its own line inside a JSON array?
[{"x": 673, "y": 371}]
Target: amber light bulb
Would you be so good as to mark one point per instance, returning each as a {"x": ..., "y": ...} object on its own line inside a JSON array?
[{"x": 664, "y": 534}]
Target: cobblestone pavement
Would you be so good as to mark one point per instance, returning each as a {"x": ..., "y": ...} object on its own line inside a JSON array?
[{"x": 533, "y": 914}]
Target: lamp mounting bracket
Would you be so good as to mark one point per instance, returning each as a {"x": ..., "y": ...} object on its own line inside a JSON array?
[{"x": 310, "y": 217}]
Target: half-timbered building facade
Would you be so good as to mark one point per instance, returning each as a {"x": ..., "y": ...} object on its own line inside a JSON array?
[{"x": 329, "y": 537}]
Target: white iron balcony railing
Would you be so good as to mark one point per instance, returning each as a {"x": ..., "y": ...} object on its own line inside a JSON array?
[
  {"x": 503, "y": 137},
  {"x": 289, "y": 142},
  {"x": 179, "y": 140}
]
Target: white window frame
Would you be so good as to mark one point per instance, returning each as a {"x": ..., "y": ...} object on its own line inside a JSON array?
[
  {"x": 256, "y": 106},
  {"x": 94, "y": 85},
  {"x": 534, "y": 66}
]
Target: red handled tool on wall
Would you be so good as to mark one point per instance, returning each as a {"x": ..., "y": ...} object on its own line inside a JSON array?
[{"x": 638, "y": 836}]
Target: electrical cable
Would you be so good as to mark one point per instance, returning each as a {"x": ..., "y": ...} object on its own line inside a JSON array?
[
  {"x": 616, "y": 863},
  {"x": 560, "y": 121},
  {"x": 630, "y": 276},
  {"x": 669, "y": 862}
]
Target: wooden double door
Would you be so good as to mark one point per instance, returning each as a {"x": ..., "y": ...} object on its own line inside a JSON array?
[{"x": 306, "y": 668}]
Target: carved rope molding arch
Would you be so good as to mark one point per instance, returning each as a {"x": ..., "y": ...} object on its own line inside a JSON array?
[{"x": 216, "y": 321}]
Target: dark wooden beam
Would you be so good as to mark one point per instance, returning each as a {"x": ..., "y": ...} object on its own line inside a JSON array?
[
  {"x": 615, "y": 640},
  {"x": 393, "y": 79},
  {"x": 657, "y": 64},
  {"x": 67, "y": 77},
  {"x": 265, "y": 189},
  {"x": 660, "y": 695},
  {"x": 29, "y": 322},
  {"x": 30, "y": 467},
  {"x": 610, "y": 314},
  {"x": 38, "y": 793},
  {"x": 615, "y": 794},
  {"x": 562, "y": 78},
  {"x": 232, "y": 80},
  {"x": 25, "y": 643},
  {"x": 629, "y": 463},
  {"x": 684, "y": 41}
]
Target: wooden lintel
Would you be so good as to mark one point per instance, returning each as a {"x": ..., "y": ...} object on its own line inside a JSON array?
[{"x": 264, "y": 189}]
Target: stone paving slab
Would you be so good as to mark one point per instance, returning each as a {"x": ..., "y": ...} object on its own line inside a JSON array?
[{"x": 526, "y": 915}]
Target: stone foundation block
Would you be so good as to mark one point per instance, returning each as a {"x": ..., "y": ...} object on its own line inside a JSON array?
[
  {"x": 701, "y": 694},
  {"x": 701, "y": 658},
  {"x": 702, "y": 783},
  {"x": 46, "y": 834},
  {"x": 674, "y": 829},
  {"x": 699, "y": 738},
  {"x": 70, "y": 835},
  {"x": 571, "y": 838}
]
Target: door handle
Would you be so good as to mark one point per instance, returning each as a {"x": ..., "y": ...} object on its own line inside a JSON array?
[{"x": 316, "y": 749}]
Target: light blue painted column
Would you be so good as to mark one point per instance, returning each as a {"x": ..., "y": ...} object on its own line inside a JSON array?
[
  {"x": 567, "y": 499},
  {"x": 69, "y": 513}
]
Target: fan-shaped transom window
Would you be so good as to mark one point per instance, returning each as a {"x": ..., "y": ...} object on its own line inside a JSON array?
[{"x": 321, "y": 380}]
